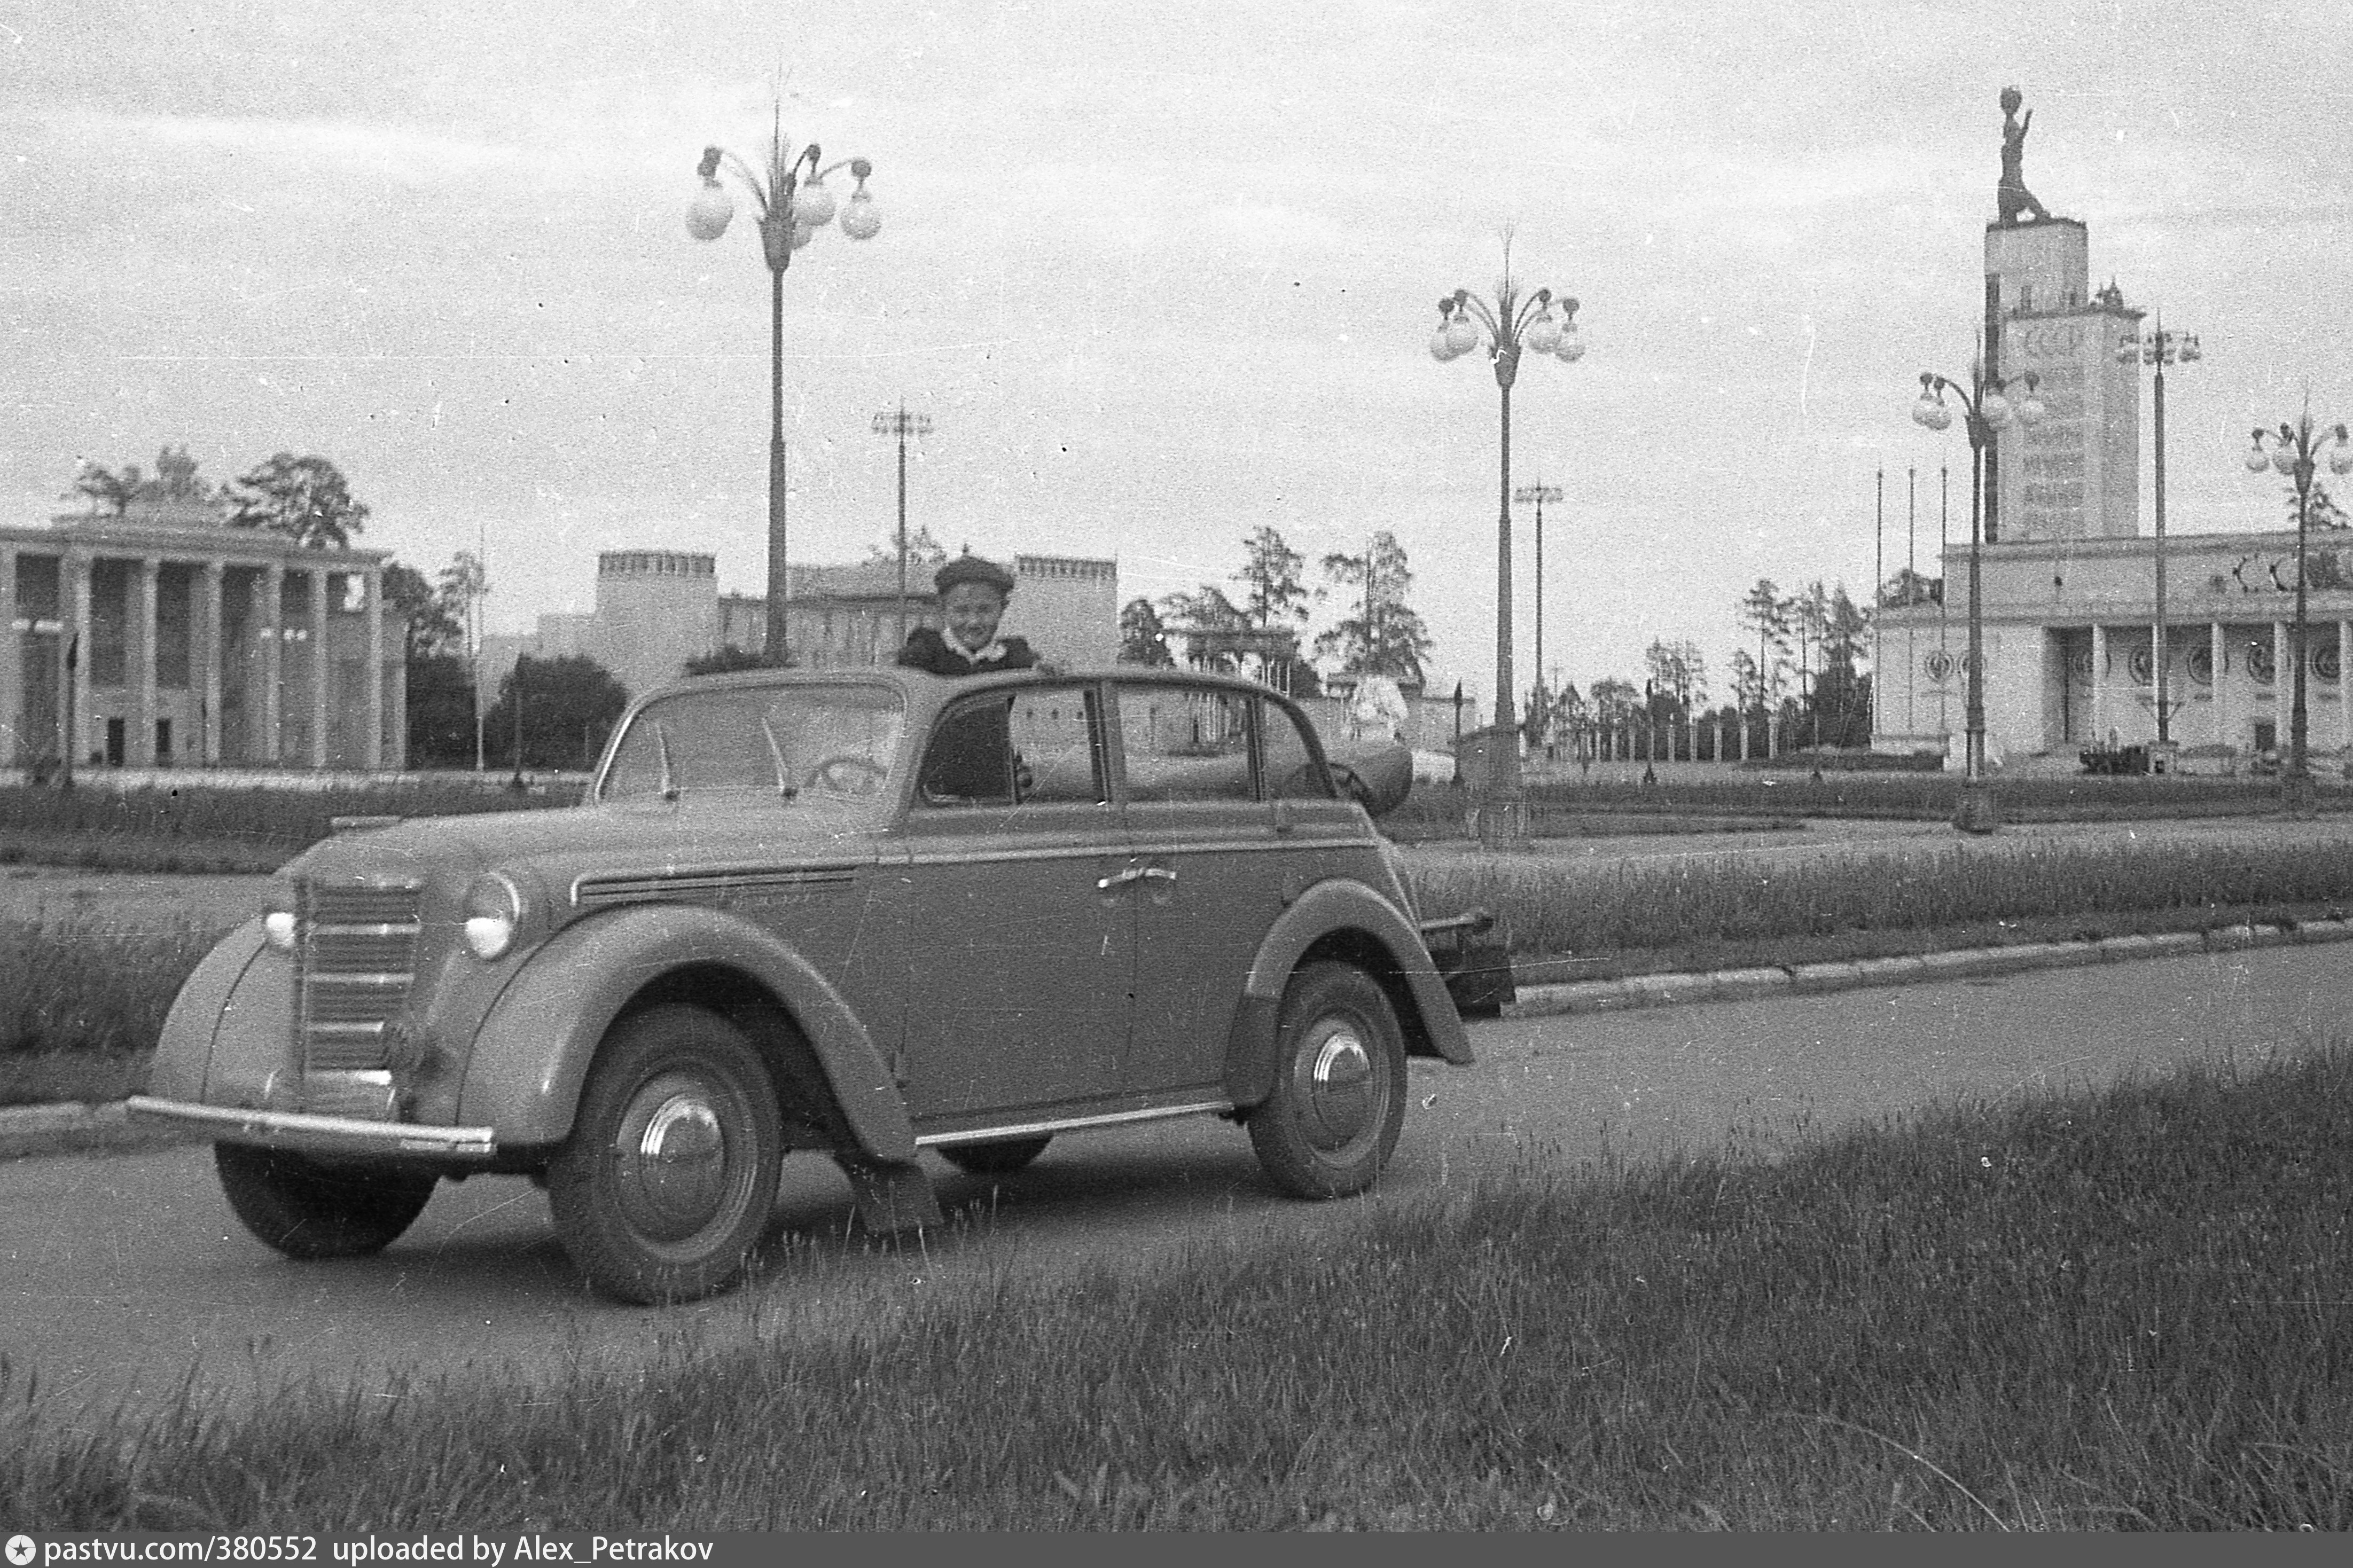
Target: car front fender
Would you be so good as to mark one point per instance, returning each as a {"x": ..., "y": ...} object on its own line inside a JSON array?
[
  {"x": 208, "y": 1000},
  {"x": 1351, "y": 909},
  {"x": 532, "y": 1052}
]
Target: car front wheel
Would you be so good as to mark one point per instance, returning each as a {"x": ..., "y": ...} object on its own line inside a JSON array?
[
  {"x": 671, "y": 1172},
  {"x": 1339, "y": 1086},
  {"x": 311, "y": 1209}
]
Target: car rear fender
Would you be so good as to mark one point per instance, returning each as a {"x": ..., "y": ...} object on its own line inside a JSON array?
[
  {"x": 1344, "y": 919},
  {"x": 532, "y": 1053}
]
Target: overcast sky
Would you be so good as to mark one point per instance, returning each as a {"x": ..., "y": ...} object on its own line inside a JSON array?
[{"x": 1158, "y": 274}]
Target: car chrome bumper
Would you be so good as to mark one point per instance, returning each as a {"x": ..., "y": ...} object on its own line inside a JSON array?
[{"x": 326, "y": 1132}]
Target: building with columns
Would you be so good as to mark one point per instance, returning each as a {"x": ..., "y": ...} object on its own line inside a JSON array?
[
  {"x": 2068, "y": 581},
  {"x": 165, "y": 638}
]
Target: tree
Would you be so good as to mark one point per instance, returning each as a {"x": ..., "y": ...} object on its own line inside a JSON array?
[
  {"x": 174, "y": 480},
  {"x": 440, "y": 711},
  {"x": 429, "y": 623},
  {"x": 1808, "y": 614},
  {"x": 1143, "y": 637},
  {"x": 924, "y": 554},
  {"x": 729, "y": 659},
  {"x": 1748, "y": 688},
  {"x": 1385, "y": 635},
  {"x": 569, "y": 706},
  {"x": 1207, "y": 609},
  {"x": 1841, "y": 702},
  {"x": 1270, "y": 573},
  {"x": 1767, "y": 614},
  {"x": 2325, "y": 512},
  {"x": 1678, "y": 672},
  {"x": 459, "y": 588},
  {"x": 306, "y": 499}
]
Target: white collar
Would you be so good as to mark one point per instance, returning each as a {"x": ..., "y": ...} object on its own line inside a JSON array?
[{"x": 994, "y": 650}]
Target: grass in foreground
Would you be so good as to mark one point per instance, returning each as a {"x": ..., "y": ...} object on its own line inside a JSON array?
[{"x": 2119, "y": 1312}]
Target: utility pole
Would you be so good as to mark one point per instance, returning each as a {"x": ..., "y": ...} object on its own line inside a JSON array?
[
  {"x": 1539, "y": 493},
  {"x": 902, "y": 424}
]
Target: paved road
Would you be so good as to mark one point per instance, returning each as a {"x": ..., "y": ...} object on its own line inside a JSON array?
[{"x": 118, "y": 1273}]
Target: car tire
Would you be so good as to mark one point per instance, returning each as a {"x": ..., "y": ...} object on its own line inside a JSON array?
[
  {"x": 997, "y": 1156},
  {"x": 311, "y": 1209},
  {"x": 1339, "y": 1101},
  {"x": 669, "y": 1175}
]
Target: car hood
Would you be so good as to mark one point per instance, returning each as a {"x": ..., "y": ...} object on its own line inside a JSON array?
[{"x": 559, "y": 845}]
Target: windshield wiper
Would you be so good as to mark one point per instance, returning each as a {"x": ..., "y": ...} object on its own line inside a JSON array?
[
  {"x": 786, "y": 789},
  {"x": 669, "y": 781}
]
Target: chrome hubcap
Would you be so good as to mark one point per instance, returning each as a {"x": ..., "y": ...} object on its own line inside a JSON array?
[
  {"x": 673, "y": 1172},
  {"x": 1341, "y": 1096}
]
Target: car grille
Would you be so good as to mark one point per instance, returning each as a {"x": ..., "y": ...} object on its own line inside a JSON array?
[{"x": 353, "y": 965}]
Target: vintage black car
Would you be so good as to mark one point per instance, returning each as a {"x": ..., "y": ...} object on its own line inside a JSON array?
[{"x": 864, "y": 912}]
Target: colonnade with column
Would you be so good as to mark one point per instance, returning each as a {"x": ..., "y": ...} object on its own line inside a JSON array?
[
  {"x": 2244, "y": 671},
  {"x": 63, "y": 575}
]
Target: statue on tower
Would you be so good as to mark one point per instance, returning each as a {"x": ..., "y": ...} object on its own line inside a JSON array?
[{"x": 2017, "y": 204}]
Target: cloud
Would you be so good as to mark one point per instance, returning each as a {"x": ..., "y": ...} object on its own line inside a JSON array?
[{"x": 354, "y": 148}]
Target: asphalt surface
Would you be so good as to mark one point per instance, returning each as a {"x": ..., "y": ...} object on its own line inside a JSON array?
[{"x": 122, "y": 1274}]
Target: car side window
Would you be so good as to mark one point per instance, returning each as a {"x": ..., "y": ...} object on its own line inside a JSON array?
[
  {"x": 1291, "y": 770},
  {"x": 1183, "y": 745},
  {"x": 1014, "y": 748},
  {"x": 1057, "y": 758}
]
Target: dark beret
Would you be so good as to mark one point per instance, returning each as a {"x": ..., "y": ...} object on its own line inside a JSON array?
[{"x": 971, "y": 568}]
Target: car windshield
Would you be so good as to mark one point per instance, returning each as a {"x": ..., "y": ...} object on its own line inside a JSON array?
[{"x": 791, "y": 743}]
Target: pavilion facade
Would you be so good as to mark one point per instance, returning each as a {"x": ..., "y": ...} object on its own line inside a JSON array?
[{"x": 163, "y": 639}]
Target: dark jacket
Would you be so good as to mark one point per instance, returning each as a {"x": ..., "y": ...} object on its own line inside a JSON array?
[{"x": 926, "y": 649}]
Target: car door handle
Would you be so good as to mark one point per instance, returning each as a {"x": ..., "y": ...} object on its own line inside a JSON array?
[{"x": 1136, "y": 874}]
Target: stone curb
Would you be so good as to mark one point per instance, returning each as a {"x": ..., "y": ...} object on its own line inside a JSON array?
[
  {"x": 29, "y": 1130},
  {"x": 1962, "y": 964}
]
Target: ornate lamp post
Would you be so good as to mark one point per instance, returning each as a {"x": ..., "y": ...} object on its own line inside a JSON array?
[
  {"x": 1512, "y": 323},
  {"x": 2160, "y": 348},
  {"x": 2295, "y": 451},
  {"x": 902, "y": 424},
  {"x": 1985, "y": 409},
  {"x": 794, "y": 205}
]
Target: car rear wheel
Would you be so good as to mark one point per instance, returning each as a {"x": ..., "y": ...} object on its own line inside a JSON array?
[
  {"x": 1339, "y": 1085},
  {"x": 312, "y": 1208},
  {"x": 998, "y": 1156},
  {"x": 670, "y": 1175}
]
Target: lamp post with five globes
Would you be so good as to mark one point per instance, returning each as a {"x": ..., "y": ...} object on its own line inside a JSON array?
[
  {"x": 794, "y": 205},
  {"x": 1985, "y": 409},
  {"x": 1512, "y": 323},
  {"x": 2295, "y": 451}
]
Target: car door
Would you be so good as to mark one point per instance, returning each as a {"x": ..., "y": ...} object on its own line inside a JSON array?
[
  {"x": 1020, "y": 936},
  {"x": 1216, "y": 785}
]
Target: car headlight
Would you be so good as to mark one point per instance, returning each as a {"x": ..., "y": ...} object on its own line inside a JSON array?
[
  {"x": 493, "y": 911},
  {"x": 279, "y": 923}
]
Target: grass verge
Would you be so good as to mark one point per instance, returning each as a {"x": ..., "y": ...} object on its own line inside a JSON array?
[
  {"x": 224, "y": 827},
  {"x": 1702, "y": 905},
  {"x": 81, "y": 1004},
  {"x": 2110, "y": 1312}
]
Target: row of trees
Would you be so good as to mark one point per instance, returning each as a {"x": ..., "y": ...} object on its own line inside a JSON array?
[
  {"x": 1378, "y": 633},
  {"x": 1800, "y": 687}
]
